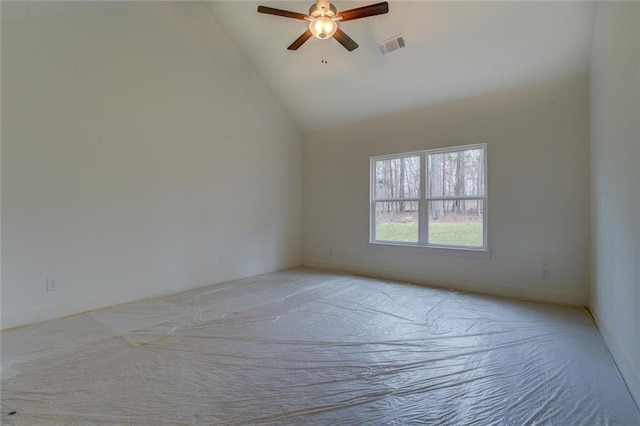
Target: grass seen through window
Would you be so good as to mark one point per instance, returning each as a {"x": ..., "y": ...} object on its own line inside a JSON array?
[{"x": 446, "y": 233}]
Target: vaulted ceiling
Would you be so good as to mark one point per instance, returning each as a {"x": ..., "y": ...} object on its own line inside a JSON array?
[{"x": 454, "y": 50}]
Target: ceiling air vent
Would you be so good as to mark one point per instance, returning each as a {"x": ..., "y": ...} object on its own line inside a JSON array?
[{"x": 392, "y": 44}]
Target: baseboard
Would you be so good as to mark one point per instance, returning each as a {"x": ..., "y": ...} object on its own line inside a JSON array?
[
  {"x": 76, "y": 307},
  {"x": 631, "y": 377},
  {"x": 521, "y": 293}
]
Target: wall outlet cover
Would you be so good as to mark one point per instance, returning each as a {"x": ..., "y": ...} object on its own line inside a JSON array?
[{"x": 52, "y": 284}]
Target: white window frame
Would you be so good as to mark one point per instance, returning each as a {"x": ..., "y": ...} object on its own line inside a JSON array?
[{"x": 424, "y": 199}]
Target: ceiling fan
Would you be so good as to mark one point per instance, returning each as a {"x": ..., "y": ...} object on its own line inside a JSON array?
[{"x": 323, "y": 20}]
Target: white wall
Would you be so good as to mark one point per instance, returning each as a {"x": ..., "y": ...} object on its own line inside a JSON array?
[
  {"x": 138, "y": 146},
  {"x": 615, "y": 174},
  {"x": 538, "y": 165}
]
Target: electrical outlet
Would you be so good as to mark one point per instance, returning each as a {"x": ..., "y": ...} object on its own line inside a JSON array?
[
  {"x": 52, "y": 284},
  {"x": 544, "y": 271},
  {"x": 221, "y": 260}
]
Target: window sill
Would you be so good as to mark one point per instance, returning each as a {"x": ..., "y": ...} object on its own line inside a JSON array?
[{"x": 475, "y": 253}]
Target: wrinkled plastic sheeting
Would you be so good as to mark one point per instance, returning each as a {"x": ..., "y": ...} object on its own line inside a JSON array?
[{"x": 309, "y": 347}]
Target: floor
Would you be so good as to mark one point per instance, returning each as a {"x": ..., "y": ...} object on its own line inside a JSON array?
[{"x": 305, "y": 346}]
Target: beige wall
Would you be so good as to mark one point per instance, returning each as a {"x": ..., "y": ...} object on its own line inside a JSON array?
[
  {"x": 138, "y": 146},
  {"x": 538, "y": 165},
  {"x": 615, "y": 174}
]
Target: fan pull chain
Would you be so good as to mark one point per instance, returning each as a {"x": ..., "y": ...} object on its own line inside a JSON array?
[{"x": 324, "y": 52}]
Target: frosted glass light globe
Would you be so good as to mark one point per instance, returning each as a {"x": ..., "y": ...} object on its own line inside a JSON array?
[{"x": 323, "y": 27}]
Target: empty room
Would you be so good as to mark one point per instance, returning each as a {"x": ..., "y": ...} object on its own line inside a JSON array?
[{"x": 320, "y": 213}]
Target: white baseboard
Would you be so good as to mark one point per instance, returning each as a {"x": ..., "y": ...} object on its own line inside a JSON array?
[
  {"x": 522, "y": 293},
  {"x": 31, "y": 316},
  {"x": 631, "y": 377}
]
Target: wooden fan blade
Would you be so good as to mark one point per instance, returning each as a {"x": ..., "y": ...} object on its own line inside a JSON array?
[
  {"x": 280, "y": 12},
  {"x": 300, "y": 40},
  {"x": 345, "y": 40},
  {"x": 363, "y": 12}
]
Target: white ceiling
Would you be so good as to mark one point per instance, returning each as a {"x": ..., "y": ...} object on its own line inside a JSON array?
[
  {"x": 17, "y": 9},
  {"x": 454, "y": 50}
]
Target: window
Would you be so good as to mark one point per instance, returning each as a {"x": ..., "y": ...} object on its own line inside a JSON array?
[{"x": 430, "y": 198}]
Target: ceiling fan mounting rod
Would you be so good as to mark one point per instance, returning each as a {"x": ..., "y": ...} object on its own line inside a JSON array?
[{"x": 324, "y": 6}]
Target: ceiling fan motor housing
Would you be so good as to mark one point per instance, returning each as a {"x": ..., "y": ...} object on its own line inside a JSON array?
[{"x": 320, "y": 9}]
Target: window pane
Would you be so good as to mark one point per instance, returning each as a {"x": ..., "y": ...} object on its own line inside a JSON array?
[
  {"x": 456, "y": 222},
  {"x": 457, "y": 173},
  {"x": 397, "y": 221},
  {"x": 398, "y": 178}
]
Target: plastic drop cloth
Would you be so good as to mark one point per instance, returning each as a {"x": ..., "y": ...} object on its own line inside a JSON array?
[{"x": 310, "y": 347}]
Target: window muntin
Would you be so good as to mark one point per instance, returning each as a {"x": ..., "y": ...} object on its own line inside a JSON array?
[{"x": 449, "y": 212}]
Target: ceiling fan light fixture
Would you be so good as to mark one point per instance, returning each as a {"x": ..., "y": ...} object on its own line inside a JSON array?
[
  {"x": 323, "y": 27},
  {"x": 323, "y": 17}
]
